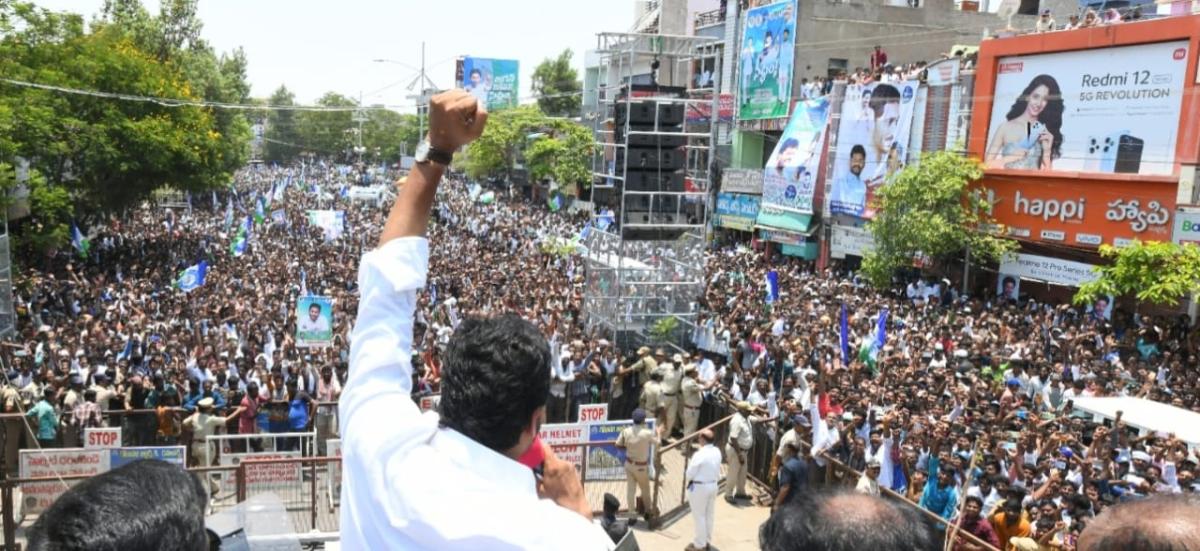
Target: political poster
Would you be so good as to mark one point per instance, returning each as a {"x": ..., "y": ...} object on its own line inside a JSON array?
[
  {"x": 767, "y": 54},
  {"x": 492, "y": 81},
  {"x": 872, "y": 144},
  {"x": 789, "y": 178},
  {"x": 1098, "y": 110},
  {"x": 314, "y": 321},
  {"x": 331, "y": 222},
  {"x": 1008, "y": 287}
]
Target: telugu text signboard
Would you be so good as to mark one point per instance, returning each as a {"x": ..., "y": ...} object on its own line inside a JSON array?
[
  {"x": 174, "y": 455},
  {"x": 37, "y": 496},
  {"x": 492, "y": 81},
  {"x": 607, "y": 462},
  {"x": 737, "y": 211},
  {"x": 742, "y": 180},
  {"x": 1109, "y": 110}
]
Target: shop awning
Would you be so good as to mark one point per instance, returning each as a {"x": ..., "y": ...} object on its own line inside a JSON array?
[{"x": 799, "y": 224}]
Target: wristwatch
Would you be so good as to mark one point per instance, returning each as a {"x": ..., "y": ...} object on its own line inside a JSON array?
[{"x": 426, "y": 153}]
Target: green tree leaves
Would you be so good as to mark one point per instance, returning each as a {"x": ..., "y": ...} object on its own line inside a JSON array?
[
  {"x": 1155, "y": 272},
  {"x": 557, "y": 87},
  {"x": 927, "y": 211},
  {"x": 557, "y": 149}
]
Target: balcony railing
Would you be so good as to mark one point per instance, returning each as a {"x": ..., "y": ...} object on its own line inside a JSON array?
[{"x": 710, "y": 18}]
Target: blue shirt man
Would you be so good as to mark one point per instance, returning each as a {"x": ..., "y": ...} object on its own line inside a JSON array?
[
  {"x": 47, "y": 422},
  {"x": 849, "y": 191},
  {"x": 941, "y": 496},
  {"x": 793, "y": 476}
]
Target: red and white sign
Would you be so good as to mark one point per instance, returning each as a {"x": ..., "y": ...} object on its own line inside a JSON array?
[
  {"x": 566, "y": 439},
  {"x": 37, "y": 496},
  {"x": 592, "y": 413},
  {"x": 102, "y": 438},
  {"x": 430, "y": 402}
]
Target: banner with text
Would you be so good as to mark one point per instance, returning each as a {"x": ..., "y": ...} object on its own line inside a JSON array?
[
  {"x": 1100, "y": 110},
  {"x": 872, "y": 144},
  {"x": 791, "y": 172},
  {"x": 491, "y": 81},
  {"x": 767, "y": 53},
  {"x": 1044, "y": 268},
  {"x": 737, "y": 211}
]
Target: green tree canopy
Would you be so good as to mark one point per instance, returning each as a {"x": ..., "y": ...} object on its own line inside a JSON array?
[
  {"x": 103, "y": 153},
  {"x": 557, "y": 87},
  {"x": 927, "y": 211},
  {"x": 1155, "y": 272},
  {"x": 557, "y": 149}
]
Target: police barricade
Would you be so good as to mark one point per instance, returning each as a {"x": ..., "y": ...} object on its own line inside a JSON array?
[
  {"x": 669, "y": 483},
  {"x": 285, "y": 480}
]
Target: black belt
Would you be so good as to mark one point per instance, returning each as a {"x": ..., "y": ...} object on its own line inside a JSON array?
[
  {"x": 704, "y": 482},
  {"x": 671, "y": 395},
  {"x": 685, "y": 406}
]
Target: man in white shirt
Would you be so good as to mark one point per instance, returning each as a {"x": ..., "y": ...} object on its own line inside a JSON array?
[
  {"x": 315, "y": 322},
  {"x": 419, "y": 482},
  {"x": 703, "y": 474}
]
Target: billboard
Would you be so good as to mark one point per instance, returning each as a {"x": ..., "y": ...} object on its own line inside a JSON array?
[
  {"x": 765, "y": 70},
  {"x": 491, "y": 81},
  {"x": 791, "y": 172},
  {"x": 1111, "y": 110},
  {"x": 737, "y": 211},
  {"x": 872, "y": 144}
]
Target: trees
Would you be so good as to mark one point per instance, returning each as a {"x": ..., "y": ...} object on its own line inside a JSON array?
[
  {"x": 282, "y": 133},
  {"x": 1156, "y": 272},
  {"x": 104, "y": 153},
  {"x": 556, "y": 149},
  {"x": 926, "y": 211},
  {"x": 557, "y": 87}
]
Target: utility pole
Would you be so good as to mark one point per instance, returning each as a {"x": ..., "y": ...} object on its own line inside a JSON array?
[{"x": 422, "y": 97}]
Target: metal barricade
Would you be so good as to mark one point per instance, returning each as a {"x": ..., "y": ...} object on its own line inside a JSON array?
[{"x": 669, "y": 482}]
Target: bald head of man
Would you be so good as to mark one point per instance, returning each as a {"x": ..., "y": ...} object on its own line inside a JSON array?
[
  {"x": 1160, "y": 523},
  {"x": 846, "y": 521}
]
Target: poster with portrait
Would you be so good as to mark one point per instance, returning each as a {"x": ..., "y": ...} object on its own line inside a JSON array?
[
  {"x": 1008, "y": 287},
  {"x": 790, "y": 174},
  {"x": 1100, "y": 110},
  {"x": 767, "y": 55},
  {"x": 492, "y": 81},
  {"x": 1101, "y": 309},
  {"x": 314, "y": 321},
  {"x": 872, "y": 144},
  {"x": 331, "y": 222}
]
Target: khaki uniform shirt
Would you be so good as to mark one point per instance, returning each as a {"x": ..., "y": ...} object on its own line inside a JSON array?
[
  {"x": 636, "y": 440},
  {"x": 740, "y": 432},
  {"x": 652, "y": 398},
  {"x": 692, "y": 393},
  {"x": 672, "y": 376}
]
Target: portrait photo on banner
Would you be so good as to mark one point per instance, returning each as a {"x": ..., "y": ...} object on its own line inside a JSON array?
[
  {"x": 314, "y": 321},
  {"x": 791, "y": 172},
  {"x": 872, "y": 144},
  {"x": 767, "y": 54}
]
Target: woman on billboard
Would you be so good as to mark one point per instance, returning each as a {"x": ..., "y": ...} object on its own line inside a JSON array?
[{"x": 1031, "y": 137}]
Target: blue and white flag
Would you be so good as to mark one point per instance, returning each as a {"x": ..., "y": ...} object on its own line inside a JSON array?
[
  {"x": 228, "y": 212},
  {"x": 303, "y": 283},
  {"x": 192, "y": 277},
  {"x": 433, "y": 294},
  {"x": 586, "y": 231},
  {"x": 772, "y": 286},
  {"x": 79, "y": 242},
  {"x": 279, "y": 216},
  {"x": 845, "y": 337},
  {"x": 880, "y": 334},
  {"x": 605, "y": 219},
  {"x": 345, "y": 191}
]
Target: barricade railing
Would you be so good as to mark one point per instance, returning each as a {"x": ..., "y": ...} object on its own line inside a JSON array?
[{"x": 711, "y": 418}]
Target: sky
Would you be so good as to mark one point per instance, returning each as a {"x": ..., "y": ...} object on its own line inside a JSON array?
[{"x": 318, "y": 46}]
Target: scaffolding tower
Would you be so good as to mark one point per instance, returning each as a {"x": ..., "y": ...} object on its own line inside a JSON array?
[{"x": 652, "y": 168}]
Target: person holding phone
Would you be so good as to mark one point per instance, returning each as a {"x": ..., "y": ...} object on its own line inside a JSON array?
[{"x": 450, "y": 479}]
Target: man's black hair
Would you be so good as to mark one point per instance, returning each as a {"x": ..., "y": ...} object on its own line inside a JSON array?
[
  {"x": 975, "y": 499},
  {"x": 496, "y": 374},
  {"x": 882, "y": 95},
  {"x": 858, "y": 149},
  {"x": 146, "y": 505},
  {"x": 1158, "y": 523},
  {"x": 825, "y": 520}
]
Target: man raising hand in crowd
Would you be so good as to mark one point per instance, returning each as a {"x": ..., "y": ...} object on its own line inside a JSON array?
[{"x": 448, "y": 481}]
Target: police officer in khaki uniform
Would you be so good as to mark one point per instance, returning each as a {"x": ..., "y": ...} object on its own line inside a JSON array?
[
  {"x": 672, "y": 376},
  {"x": 631, "y": 379},
  {"x": 638, "y": 441},
  {"x": 741, "y": 438},
  {"x": 652, "y": 398},
  {"x": 692, "y": 398}
]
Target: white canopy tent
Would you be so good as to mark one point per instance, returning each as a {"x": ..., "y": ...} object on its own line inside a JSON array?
[{"x": 1145, "y": 415}]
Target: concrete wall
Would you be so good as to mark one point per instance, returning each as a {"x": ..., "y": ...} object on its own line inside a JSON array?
[{"x": 849, "y": 30}]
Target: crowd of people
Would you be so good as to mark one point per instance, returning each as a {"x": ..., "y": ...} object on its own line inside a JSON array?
[{"x": 930, "y": 393}]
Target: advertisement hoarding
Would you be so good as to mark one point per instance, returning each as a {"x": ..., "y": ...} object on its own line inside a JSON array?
[
  {"x": 850, "y": 241},
  {"x": 791, "y": 172},
  {"x": 701, "y": 112},
  {"x": 491, "y": 81},
  {"x": 607, "y": 462},
  {"x": 1108, "y": 110},
  {"x": 872, "y": 144},
  {"x": 737, "y": 211},
  {"x": 564, "y": 439},
  {"x": 1187, "y": 227},
  {"x": 765, "y": 67},
  {"x": 742, "y": 180},
  {"x": 1086, "y": 213},
  {"x": 1044, "y": 268}
]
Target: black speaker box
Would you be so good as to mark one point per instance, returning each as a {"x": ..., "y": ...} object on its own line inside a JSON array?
[
  {"x": 643, "y": 113},
  {"x": 650, "y": 158},
  {"x": 643, "y": 180}
]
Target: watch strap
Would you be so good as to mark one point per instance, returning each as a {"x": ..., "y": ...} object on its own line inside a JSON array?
[{"x": 438, "y": 156}]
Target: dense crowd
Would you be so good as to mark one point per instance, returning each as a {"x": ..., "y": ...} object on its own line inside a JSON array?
[{"x": 946, "y": 394}]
